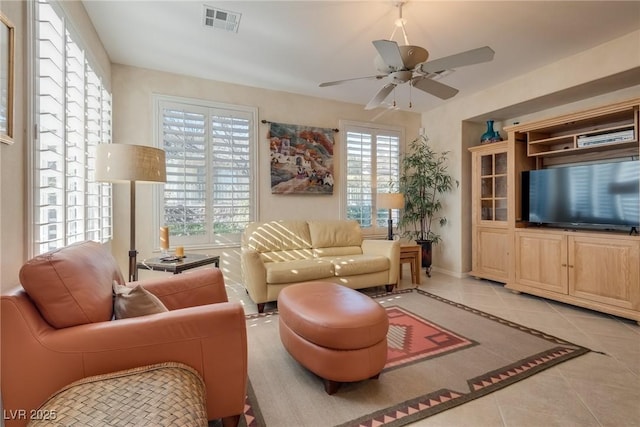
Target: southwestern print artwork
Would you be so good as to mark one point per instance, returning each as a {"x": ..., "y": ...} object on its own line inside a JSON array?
[{"x": 301, "y": 159}]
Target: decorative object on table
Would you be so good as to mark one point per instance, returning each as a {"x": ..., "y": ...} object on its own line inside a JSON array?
[
  {"x": 130, "y": 163},
  {"x": 390, "y": 201},
  {"x": 301, "y": 159},
  {"x": 180, "y": 251},
  {"x": 490, "y": 135},
  {"x": 164, "y": 240},
  {"x": 423, "y": 179},
  {"x": 7, "y": 41}
]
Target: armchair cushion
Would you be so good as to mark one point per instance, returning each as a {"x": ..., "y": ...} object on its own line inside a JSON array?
[
  {"x": 72, "y": 285},
  {"x": 134, "y": 302}
]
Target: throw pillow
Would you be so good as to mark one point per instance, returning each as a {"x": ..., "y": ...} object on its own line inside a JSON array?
[{"x": 135, "y": 301}]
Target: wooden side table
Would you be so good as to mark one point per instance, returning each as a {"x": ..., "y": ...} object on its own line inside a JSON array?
[
  {"x": 411, "y": 254},
  {"x": 176, "y": 267}
]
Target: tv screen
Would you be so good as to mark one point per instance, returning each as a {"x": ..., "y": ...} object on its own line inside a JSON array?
[{"x": 602, "y": 194}]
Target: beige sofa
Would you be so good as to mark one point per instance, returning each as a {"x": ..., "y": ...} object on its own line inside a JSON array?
[{"x": 280, "y": 253}]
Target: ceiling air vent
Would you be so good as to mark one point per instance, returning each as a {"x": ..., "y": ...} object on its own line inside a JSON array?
[{"x": 221, "y": 19}]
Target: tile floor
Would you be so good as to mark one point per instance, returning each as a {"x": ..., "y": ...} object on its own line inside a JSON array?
[{"x": 592, "y": 390}]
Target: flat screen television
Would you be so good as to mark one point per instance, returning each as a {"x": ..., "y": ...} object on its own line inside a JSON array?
[{"x": 599, "y": 195}]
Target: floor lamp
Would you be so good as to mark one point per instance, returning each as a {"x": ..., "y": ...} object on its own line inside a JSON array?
[
  {"x": 130, "y": 163},
  {"x": 390, "y": 201}
]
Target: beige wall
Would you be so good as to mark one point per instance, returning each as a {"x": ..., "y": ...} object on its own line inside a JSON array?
[
  {"x": 133, "y": 89},
  {"x": 13, "y": 158},
  {"x": 448, "y": 127}
]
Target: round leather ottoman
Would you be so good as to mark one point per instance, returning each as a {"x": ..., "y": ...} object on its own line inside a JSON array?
[{"x": 336, "y": 332}]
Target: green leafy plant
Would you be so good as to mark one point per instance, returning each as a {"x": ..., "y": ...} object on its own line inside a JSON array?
[{"x": 423, "y": 179}]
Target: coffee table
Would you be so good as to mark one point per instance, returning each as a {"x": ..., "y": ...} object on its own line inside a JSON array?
[{"x": 176, "y": 267}]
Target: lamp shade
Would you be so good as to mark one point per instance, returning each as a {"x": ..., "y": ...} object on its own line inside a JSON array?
[
  {"x": 128, "y": 162},
  {"x": 390, "y": 200}
]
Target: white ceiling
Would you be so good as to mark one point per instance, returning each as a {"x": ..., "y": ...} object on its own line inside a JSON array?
[{"x": 293, "y": 46}]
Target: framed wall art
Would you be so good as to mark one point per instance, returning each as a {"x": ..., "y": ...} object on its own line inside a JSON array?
[
  {"x": 301, "y": 159},
  {"x": 6, "y": 79}
]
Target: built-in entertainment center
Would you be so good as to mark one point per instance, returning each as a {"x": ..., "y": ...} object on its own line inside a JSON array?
[{"x": 556, "y": 209}]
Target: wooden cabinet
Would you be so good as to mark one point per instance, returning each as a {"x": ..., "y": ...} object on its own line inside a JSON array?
[
  {"x": 599, "y": 271},
  {"x": 490, "y": 211},
  {"x": 491, "y": 253},
  {"x": 593, "y": 269},
  {"x": 541, "y": 260},
  {"x": 605, "y": 270}
]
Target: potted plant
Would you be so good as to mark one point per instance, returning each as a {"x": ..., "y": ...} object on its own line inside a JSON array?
[{"x": 423, "y": 179}]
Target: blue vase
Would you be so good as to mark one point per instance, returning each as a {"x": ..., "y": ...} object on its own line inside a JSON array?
[{"x": 490, "y": 135}]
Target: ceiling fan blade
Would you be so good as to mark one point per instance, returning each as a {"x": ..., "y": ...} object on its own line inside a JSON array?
[
  {"x": 390, "y": 53},
  {"x": 470, "y": 57},
  {"x": 380, "y": 96},
  {"x": 390, "y": 107},
  {"x": 337, "y": 82},
  {"x": 433, "y": 87}
]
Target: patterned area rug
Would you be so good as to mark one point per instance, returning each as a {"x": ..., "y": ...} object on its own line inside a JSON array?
[{"x": 441, "y": 354}]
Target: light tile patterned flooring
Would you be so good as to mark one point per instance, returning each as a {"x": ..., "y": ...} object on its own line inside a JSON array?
[{"x": 591, "y": 390}]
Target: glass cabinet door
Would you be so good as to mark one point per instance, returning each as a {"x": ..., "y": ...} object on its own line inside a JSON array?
[{"x": 493, "y": 187}]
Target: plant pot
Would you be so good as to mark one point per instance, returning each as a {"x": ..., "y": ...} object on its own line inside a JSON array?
[{"x": 426, "y": 252}]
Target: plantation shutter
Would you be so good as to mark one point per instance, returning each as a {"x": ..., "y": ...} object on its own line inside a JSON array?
[
  {"x": 208, "y": 197},
  {"x": 231, "y": 180},
  {"x": 359, "y": 177},
  {"x": 373, "y": 166},
  {"x": 73, "y": 115}
]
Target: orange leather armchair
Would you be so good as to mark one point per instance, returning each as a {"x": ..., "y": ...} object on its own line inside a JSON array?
[{"x": 58, "y": 329}]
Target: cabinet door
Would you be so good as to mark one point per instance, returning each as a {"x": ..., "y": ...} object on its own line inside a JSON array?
[
  {"x": 490, "y": 181},
  {"x": 605, "y": 270},
  {"x": 541, "y": 261},
  {"x": 491, "y": 259}
]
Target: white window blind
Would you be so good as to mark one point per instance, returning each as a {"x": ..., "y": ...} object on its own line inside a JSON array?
[
  {"x": 372, "y": 166},
  {"x": 72, "y": 114},
  {"x": 209, "y": 194}
]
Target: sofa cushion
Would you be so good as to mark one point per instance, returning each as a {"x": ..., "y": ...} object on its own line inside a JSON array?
[
  {"x": 135, "y": 301},
  {"x": 72, "y": 285},
  {"x": 359, "y": 264},
  {"x": 329, "y": 234},
  {"x": 287, "y": 255},
  {"x": 298, "y": 271},
  {"x": 337, "y": 251},
  {"x": 276, "y": 236}
]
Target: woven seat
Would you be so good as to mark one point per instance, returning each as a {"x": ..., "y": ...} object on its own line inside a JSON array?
[{"x": 165, "y": 394}]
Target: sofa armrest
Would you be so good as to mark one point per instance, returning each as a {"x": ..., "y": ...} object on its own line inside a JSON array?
[
  {"x": 194, "y": 288},
  {"x": 254, "y": 275},
  {"x": 389, "y": 249}
]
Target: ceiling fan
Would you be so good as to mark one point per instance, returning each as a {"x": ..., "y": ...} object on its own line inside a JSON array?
[{"x": 408, "y": 64}]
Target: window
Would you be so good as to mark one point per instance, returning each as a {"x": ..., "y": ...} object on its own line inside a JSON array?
[
  {"x": 209, "y": 195},
  {"x": 72, "y": 113},
  {"x": 372, "y": 166}
]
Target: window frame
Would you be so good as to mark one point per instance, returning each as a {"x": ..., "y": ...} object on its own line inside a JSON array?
[
  {"x": 375, "y": 231},
  {"x": 215, "y": 241}
]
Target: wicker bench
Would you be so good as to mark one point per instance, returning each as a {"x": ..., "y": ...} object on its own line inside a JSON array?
[{"x": 166, "y": 394}]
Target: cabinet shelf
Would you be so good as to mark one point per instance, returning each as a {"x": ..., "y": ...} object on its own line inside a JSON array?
[{"x": 586, "y": 132}]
